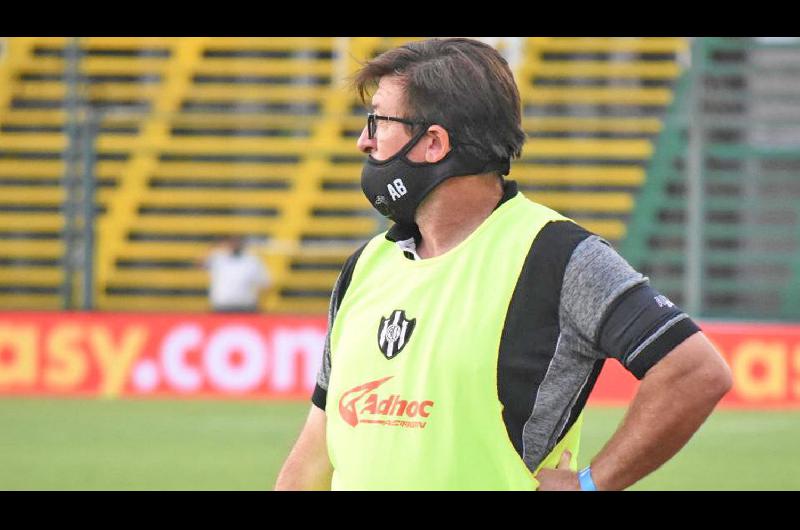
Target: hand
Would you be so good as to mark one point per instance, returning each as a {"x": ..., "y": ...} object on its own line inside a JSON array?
[{"x": 562, "y": 478}]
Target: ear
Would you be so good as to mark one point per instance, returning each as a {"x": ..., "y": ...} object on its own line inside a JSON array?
[{"x": 437, "y": 143}]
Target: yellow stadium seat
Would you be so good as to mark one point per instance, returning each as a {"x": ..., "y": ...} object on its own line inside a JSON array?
[{"x": 202, "y": 137}]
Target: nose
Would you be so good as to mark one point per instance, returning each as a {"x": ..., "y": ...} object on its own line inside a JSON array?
[{"x": 365, "y": 145}]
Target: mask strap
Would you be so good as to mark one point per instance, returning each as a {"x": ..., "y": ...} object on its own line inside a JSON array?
[{"x": 414, "y": 139}]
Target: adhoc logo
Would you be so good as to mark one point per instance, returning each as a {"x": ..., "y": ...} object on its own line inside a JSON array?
[{"x": 363, "y": 405}]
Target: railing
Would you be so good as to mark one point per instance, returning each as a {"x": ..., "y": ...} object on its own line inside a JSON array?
[{"x": 718, "y": 223}]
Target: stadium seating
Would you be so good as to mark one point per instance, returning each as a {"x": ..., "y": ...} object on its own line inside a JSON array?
[
  {"x": 748, "y": 152},
  {"x": 201, "y": 137},
  {"x": 592, "y": 108}
]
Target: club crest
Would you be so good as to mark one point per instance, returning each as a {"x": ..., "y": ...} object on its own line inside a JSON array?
[{"x": 394, "y": 333}]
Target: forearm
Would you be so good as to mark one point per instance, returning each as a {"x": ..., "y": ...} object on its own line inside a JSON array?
[
  {"x": 308, "y": 466},
  {"x": 675, "y": 398},
  {"x": 298, "y": 474}
]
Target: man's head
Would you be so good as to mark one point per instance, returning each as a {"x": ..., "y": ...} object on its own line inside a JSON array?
[
  {"x": 442, "y": 108},
  {"x": 234, "y": 243},
  {"x": 463, "y": 86}
]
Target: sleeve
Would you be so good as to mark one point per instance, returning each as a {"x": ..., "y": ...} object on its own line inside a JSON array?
[
  {"x": 614, "y": 311},
  {"x": 320, "y": 395}
]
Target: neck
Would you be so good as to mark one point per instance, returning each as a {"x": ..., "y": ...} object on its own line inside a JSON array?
[{"x": 454, "y": 210}]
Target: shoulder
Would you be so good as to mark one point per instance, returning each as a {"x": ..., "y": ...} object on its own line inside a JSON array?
[
  {"x": 216, "y": 256},
  {"x": 377, "y": 248},
  {"x": 595, "y": 267},
  {"x": 542, "y": 275},
  {"x": 580, "y": 271},
  {"x": 346, "y": 276},
  {"x": 555, "y": 244},
  {"x": 595, "y": 279},
  {"x": 351, "y": 261}
]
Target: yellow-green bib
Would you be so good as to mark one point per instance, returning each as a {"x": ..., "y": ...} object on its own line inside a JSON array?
[{"x": 412, "y": 399}]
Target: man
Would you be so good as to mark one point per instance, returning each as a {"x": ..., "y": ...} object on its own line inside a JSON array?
[
  {"x": 237, "y": 277},
  {"x": 464, "y": 342}
]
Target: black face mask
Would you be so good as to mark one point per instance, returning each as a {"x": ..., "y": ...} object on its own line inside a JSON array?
[{"x": 396, "y": 186}]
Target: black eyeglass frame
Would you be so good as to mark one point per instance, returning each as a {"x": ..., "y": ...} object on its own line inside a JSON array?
[{"x": 372, "y": 123}]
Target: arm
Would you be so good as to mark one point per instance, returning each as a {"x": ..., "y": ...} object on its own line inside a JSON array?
[
  {"x": 308, "y": 467},
  {"x": 611, "y": 311},
  {"x": 674, "y": 399}
]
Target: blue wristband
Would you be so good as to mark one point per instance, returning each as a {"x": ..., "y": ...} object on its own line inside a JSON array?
[{"x": 585, "y": 479}]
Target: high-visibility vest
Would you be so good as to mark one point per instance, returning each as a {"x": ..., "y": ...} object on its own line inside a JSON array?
[{"x": 412, "y": 398}]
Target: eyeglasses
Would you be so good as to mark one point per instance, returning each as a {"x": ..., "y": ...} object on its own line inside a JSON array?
[{"x": 372, "y": 123}]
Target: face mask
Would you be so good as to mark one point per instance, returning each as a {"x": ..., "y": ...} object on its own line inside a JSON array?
[{"x": 396, "y": 186}]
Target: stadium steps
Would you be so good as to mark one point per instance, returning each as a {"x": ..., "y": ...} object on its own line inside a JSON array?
[
  {"x": 256, "y": 136},
  {"x": 750, "y": 260},
  {"x": 284, "y": 123},
  {"x": 592, "y": 109}
]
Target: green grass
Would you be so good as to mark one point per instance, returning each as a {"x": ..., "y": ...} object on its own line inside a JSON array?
[
  {"x": 144, "y": 445},
  {"x": 733, "y": 450},
  {"x": 240, "y": 445}
]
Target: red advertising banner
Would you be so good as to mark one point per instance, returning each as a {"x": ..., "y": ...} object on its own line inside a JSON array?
[
  {"x": 764, "y": 360},
  {"x": 277, "y": 357},
  {"x": 109, "y": 355}
]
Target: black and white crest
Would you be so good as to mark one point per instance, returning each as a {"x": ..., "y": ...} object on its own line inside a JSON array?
[{"x": 394, "y": 333}]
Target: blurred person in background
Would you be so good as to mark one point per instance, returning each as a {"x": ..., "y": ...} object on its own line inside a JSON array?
[
  {"x": 463, "y": 343},
  {"x": 237, "y": 277}
]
